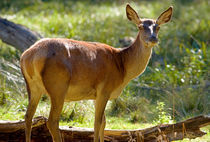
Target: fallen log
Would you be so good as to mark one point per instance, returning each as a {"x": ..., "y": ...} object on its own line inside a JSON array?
[
  {"x": 190, "y": 128},
  {"x": 17, "y": 35}
]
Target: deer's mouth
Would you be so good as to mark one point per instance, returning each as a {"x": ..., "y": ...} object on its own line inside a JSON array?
[
  {"x": 152, "y": 42},
  {"x": 153, "y": 39}
]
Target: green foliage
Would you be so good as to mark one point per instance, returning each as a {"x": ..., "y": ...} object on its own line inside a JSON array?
[
  {"x": 85, "y": 115},
  {"x": 136, "y": 108},
  {"x": 163, "y": 117}
]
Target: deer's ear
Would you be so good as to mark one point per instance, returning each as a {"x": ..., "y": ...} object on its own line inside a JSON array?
[
  {"x": 132, "y": 15},
  {"x": 165, "y": 16}
]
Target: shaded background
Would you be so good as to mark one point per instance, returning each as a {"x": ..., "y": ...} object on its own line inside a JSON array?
[{"x": 175, "y": 85}]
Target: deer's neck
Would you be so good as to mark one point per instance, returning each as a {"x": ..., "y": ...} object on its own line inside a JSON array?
[{"x": 135, "y": 58}]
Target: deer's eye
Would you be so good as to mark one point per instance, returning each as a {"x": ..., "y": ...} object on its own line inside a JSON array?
[{"x": 157, "y": 28}]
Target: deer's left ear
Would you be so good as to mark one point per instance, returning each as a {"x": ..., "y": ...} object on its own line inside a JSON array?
[{"x": 165, "y": 16}]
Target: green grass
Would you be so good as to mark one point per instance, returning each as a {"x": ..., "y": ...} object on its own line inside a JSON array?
[
  {"x": 111, "y": 123},
  {"x": 177, "y": 75}
]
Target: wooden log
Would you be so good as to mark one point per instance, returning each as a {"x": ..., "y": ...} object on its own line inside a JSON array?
[
  {"x": 190, "y": 128},
  {"x": 17, "y": 35}
]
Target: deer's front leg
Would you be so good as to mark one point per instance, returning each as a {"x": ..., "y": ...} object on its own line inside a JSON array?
[
  {"x": 101, "y": 133},
  {"x": 99, "y": 125}
]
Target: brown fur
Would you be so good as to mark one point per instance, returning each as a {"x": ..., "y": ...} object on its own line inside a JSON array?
[{"x": 70, "y": 70}]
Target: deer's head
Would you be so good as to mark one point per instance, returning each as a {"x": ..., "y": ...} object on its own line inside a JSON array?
[{"x": 148, "y": 28}]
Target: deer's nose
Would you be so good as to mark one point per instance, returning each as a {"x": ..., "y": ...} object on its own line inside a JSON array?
[{"x": 153, "y": 39}]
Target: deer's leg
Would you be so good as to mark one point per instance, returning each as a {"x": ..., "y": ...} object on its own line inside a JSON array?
[
  {"x": 53, "y": 121},
  {"x": 100, "y": 105},
  {"x": 34, "y": 97},
  {"x": 57, "y": 96},
  {"x": 56, "y": 77},
  {"x": 101, "y": 133}
]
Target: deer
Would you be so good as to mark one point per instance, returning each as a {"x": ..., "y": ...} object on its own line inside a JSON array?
[{"x": 70, "y": 70}]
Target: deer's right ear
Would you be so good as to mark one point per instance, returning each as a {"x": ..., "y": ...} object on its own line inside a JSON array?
[{"x": 132, "y": 15}]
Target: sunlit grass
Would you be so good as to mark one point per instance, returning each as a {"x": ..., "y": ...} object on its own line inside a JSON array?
[{"x": 111, "y": 123}]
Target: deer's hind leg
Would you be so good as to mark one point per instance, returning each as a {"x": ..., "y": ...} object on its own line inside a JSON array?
[
  {"x": 56, "y": 78},
  {"x": 53, "y": 120},
  {"x": 34, "y": 93}
]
